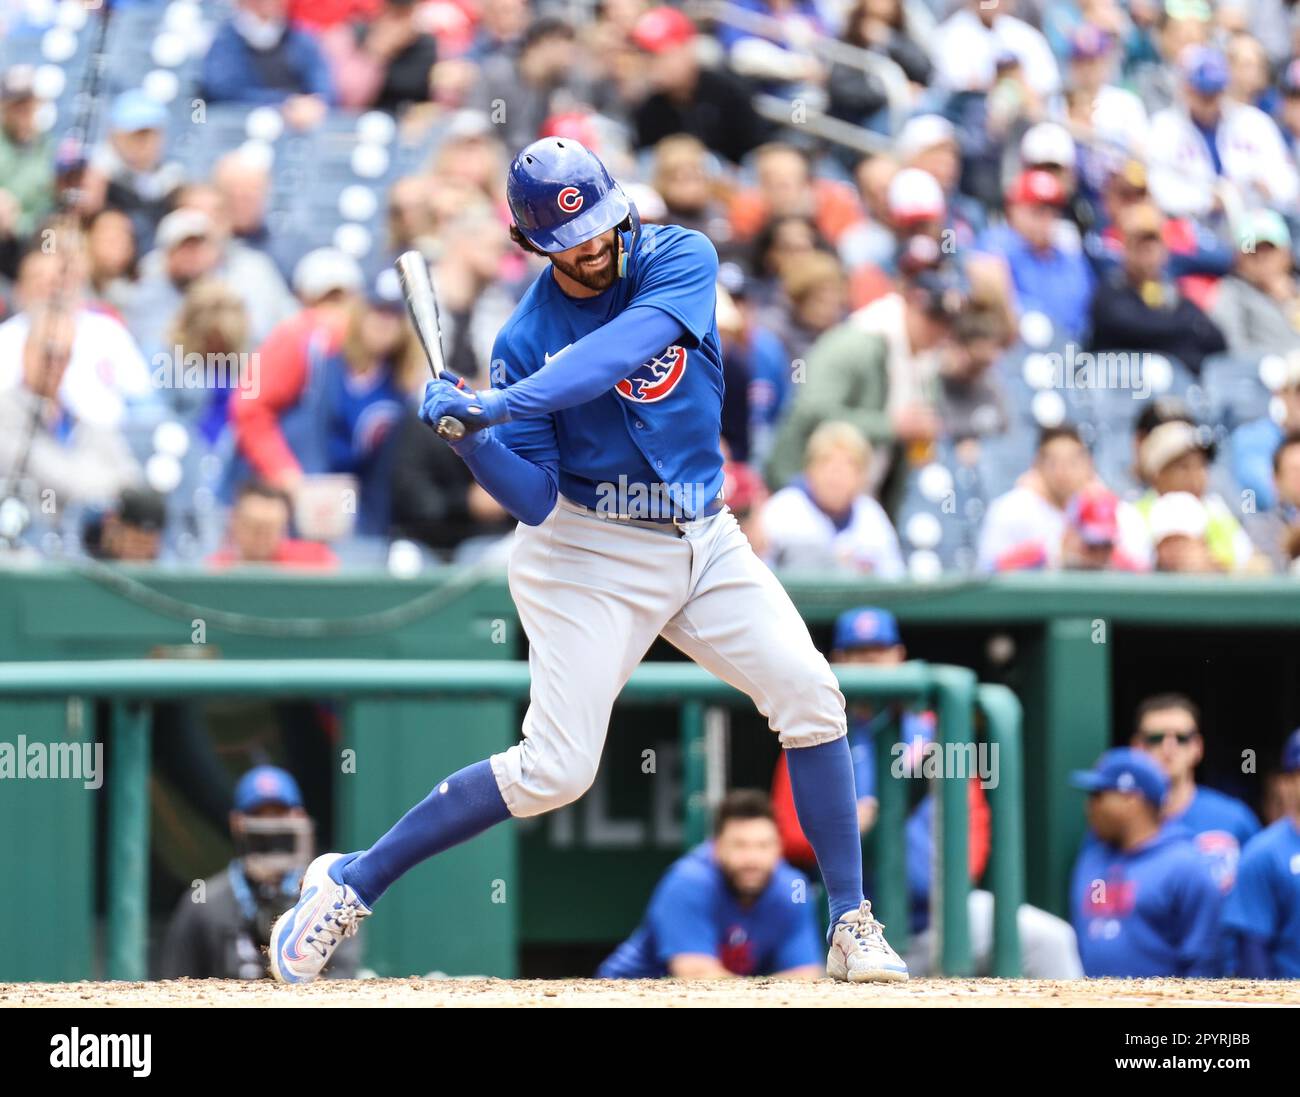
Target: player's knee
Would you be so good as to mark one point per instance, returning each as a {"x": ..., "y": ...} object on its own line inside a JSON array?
[
  {"x": 564, "y": 784},
  {"x": 808, "y": 708}
]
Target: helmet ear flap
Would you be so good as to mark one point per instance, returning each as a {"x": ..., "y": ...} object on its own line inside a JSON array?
[{"x": 630, "y": 224}]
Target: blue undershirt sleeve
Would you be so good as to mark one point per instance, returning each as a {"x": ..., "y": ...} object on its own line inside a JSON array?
[
  {"x": 595, "y": 363},
  {"x": 526, "y": 489}
]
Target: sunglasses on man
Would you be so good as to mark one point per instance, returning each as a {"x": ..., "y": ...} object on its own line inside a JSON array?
[{"x": 1156, "y": 737}]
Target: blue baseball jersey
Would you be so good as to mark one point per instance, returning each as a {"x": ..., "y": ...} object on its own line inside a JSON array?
[
  {"x": 693, "y": 911},
  {"x": 656, "y": 433},
  {"x": 1150, "y": 911},
  {"x": 1220, "y": 826},
  {"x": 1266, "y": 900}
]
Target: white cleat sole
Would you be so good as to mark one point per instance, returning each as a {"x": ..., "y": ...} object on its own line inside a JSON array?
[{"x": 838, "y": 972}]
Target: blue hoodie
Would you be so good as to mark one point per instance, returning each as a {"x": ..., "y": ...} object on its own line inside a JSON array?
[{"x": 1149, "y": 911}]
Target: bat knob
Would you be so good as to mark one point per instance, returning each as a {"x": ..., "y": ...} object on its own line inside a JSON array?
[{"x": 451, "y": 429}]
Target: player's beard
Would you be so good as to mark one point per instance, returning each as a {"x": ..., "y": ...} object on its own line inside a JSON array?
[{"x": 581, "y": 272}]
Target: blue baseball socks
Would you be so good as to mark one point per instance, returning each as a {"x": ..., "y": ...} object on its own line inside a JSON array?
[
  {"x": 821, "y": 779},
  {"x": 465, "y": 804}
]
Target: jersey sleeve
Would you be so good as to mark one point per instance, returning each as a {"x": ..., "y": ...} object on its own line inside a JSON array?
[
  {"x": 1252, "y": 905},
  {"x": 680, "y": 278},
  {"x": 680, "y": 918}
]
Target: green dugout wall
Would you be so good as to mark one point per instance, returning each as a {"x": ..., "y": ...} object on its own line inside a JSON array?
[{"x": 1077, "y": 650}]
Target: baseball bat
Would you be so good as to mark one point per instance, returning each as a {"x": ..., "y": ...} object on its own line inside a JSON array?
[{"x": 422, "y": 305}]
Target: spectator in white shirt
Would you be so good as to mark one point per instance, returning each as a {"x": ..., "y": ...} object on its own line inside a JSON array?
[
  {"x": 1032, "y": 515},
  {"x": 105, "y": 375},
  {"x": 967, "y": 46},
  {"x": 825, "y": 519},
  {"x": 65, "y": 376},
  {"x": 1211, "y": 155}
]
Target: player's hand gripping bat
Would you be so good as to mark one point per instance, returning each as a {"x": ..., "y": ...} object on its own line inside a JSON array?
[{"x": 423, "y": 308}]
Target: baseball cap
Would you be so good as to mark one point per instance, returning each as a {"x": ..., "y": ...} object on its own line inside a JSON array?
[
  {"x": 326, "y": 270},
  {"x": 1165, "y": 444},
  {"x": 385, "y": 292},
  {"x": 578, "y": 125},
  {"x": 142, "y": 508},
  {"x": 181, "y": 225},
  {"x": 264, "y": 785},
  {"x": 1094, "y": 512},
  {"x": 925, "y": 131},
  {"x": 1178, "y": 514},
  {"x": 732, "y": 278},
  {"x": 1131, "y": 171},
  {"x": 69, "y": 155},
  {"x": 18, "y": 82},
  {"x": 1205, "y": 68},
  {"x": 1047, "y": 143},
  {"x": 1263, "y": 226},
  {"x": 1291, "y": 752},
  {"x": 865, "y": 627},
  {"x": 1124, "y": 769},
  {"x": 134, "y": 110},
  {"x": 662, "y": 29},
  {"x": 1199, "y": 11},
  {"x": 915, "y": 195},
  {"x": 945, "y": 286},
  {"x": 1036, "y": 188},
  {"x": 469, "y": 125},
  {"x": 742, "y": 487},
  {"x": 1089, "y": 42}
]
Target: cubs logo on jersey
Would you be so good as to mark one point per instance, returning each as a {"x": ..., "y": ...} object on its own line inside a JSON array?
[
  {"x": 656, "y": 378},
  {"x": 1222, "y": 851},
  {"x": 570, "y": 199}
]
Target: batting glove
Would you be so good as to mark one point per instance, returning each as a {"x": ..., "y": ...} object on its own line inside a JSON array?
[{"x": 475, "y": 409}]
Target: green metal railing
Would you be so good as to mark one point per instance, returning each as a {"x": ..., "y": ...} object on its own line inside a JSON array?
[{"x": 131, "y": 684}]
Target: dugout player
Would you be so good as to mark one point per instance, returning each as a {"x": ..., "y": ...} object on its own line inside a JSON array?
[
  {"x": 1144, "y": 902},
  {"x": 224, "y": 935},
  {"x": 730, "y": 907},
  {"x": 1168, "y": 727},
  {"x": 1263, "y": 911},
  {"x": 601, "y": 435}
]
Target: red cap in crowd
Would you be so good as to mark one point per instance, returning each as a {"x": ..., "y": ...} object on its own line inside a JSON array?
[
  {"x": 577, "y": 125},
  {"x": 1036, "y": 188},
  {"x": 662, "y": 29},
  {"x": 1094, "y": 512},
  {"x": 742, "y": 487}
]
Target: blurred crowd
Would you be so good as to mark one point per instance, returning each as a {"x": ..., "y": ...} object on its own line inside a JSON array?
[{"x": 1004, "y": 284}]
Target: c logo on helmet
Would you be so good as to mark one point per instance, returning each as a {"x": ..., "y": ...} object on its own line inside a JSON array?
[
  {"x": 656, "y": 379},
  {"x": 569, "y": 199}
]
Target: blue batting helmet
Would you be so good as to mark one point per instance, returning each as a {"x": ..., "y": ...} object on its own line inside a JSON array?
[{"x": 561, "y": 195}]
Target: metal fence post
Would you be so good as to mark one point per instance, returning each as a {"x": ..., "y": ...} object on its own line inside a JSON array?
[
  {"x": 1002, "y": 713},
  {"x": 694, "y": 772},
  {"x": 128, "y": 841},
  {"x": 954, "y": 695},
  {"x": 891, "y": 902}
]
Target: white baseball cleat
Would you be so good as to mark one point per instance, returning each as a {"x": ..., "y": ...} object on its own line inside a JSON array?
[
  {"x": 859, "y": 952},
  {"x": 305, "y": 936}
]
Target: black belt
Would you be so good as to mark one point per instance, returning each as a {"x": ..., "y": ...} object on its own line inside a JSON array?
[{"x": 667, "y": 524}]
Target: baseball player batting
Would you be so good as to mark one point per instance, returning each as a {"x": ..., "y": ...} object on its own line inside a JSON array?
[{"x": 607, "y": 392}]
